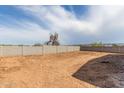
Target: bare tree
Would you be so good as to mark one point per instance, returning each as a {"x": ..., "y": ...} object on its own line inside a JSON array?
[{"x": 53, "y": 39}]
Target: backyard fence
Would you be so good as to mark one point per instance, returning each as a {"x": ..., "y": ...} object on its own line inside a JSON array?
[
  {"x": 112, "y": 49},
  {"x": 35, "y": 50}
]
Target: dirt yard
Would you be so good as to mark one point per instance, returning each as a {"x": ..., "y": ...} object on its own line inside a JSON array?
[{"x": 66, "y": 70}]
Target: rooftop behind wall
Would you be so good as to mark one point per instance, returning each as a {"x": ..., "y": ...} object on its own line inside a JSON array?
[{"x": 35, "y": 50}]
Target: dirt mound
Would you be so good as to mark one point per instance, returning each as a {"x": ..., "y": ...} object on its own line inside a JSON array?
[{"x": 102, "y": 74}]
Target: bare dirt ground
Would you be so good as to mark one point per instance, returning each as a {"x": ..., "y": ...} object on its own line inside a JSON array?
[{"x": 65, "y": 70}]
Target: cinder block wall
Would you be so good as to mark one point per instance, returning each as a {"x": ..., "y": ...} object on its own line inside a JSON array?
[
  {"x": 77, "y": 48},
  {"x": 10, "y": 50},
  {"x": 70, "y": 48},
  {"x": 32, "y": 50},
  {"x": 1, "y": 51},
  {"x": 49, "y": 49},
  {"x": 61, "y": 49},
  {"x": 35, "y": 50}
]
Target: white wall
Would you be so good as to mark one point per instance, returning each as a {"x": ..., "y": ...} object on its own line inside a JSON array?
[
  {"x": 49, "y": 49},
  {"x": 11, "y": 50},
  {"x": 70, "y": 48},
  {"x": 32, "y": 50},
  {"x": 62, "y": 49},
  {"x": 76, "y": 48},
  {"x": 35, "y": 50}
]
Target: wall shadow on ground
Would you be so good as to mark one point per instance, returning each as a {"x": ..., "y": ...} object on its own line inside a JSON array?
[{"x": 105, "y": 75}]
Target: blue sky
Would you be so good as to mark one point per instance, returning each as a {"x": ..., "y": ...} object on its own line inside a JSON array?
[{"x": 75, "y": 24}]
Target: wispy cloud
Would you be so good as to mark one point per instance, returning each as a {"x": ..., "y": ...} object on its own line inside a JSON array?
[
  {"x": 60, "y": 20},
  {"x": 102, "y": 23}
]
